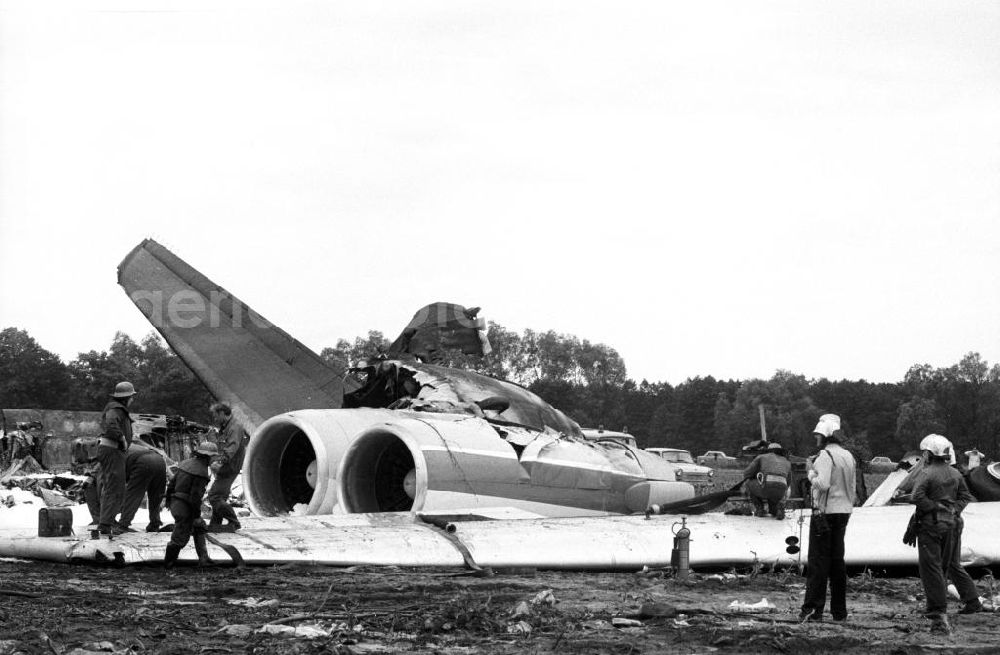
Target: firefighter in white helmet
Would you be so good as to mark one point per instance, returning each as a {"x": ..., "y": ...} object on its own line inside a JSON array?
[
  {"x": 940, "y": 494},
  {"x": 833, "y": 494}
]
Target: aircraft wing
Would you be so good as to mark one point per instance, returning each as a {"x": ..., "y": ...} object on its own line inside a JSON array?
[{"x": 240, "y": 356}]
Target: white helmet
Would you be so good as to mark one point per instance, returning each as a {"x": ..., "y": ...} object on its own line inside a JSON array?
[
  {"x": 937, "y": 445},
  {"x": 828, "y": 424}
]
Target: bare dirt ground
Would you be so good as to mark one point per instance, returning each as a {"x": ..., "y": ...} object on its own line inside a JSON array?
[{"x": 74, "y": 609}]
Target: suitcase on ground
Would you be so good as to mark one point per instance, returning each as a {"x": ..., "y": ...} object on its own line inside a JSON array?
[{"x": 55, "y": 522}]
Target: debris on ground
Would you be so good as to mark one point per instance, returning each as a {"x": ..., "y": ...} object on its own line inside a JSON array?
[
  {"x": 760, "y": 607},
  {"x": 54, "y": 489},
  {"x": 298, "y": 609}
]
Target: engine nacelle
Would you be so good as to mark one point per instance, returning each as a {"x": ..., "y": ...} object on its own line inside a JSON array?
[
  {"x": 292, "y": 458},
  {"x": 378, "y": 460},
  {"x": 430, "y": 463}
]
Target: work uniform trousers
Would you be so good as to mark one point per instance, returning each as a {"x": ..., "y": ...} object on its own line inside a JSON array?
[
  {"x": 967, "y": 590},
  {"x": 148, "y": 477},
  {"x": 111, "y": 480},
  {"x": 218, "y": 498},
  {"x": 187, "y": 521},
  {"x": 772, "y": 492},
  {"x": 939, "y": 548},
  {"x": 826, "y": 564},
  {"x": 92, "y": 494},
  {"x": 935, "y": 550}
]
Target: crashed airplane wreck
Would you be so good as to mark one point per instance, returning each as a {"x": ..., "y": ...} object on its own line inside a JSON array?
[
  {"x": 408, "y": 463},
  {"x": 399, "y": 434}
]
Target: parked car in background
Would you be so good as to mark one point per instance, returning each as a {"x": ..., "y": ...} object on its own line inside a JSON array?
[
  {"x": 683, "y": 463},
  {"x": 595, "y": 434},
  {"x": 717, "y": 458},
  {"x": 881, "y": 464}
]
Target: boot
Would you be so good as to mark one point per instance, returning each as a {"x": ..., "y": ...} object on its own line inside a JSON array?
[
  {"x": 939, "y": 624},
  {"x": 110, "y": 531},
  {"x": 201, "y": 547},
  {"x": 232, "y": 522},
  {"x": 170, "y": 557},
  {"x": 971, "y": 607}
]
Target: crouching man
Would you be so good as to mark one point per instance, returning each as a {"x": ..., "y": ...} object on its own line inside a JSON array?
[
  {"x": 768, "y": 476},
  {"x": 184, "y": 495},
  {"x": 145, "y": 475}
]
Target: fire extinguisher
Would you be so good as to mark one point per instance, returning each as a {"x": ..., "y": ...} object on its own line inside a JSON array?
[{"x": 680, "y": 556}]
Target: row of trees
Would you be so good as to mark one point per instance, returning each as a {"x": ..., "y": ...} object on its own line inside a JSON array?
[
  {"x": 34, "y": 378},
  {"x": 587, "y": 381}
]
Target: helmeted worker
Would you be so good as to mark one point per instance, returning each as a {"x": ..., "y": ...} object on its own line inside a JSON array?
[
  {"x": 116, "y": 437},
  {"x": 145, "y": 475},
  {"x": 940, "y": 494},
  {"x": 184, "y": 496},
  {"x": 768, "y": 477},
  {"x": 834, "y": 490},
  {"x": 904, "y": 490},
  {"x": 232, "y": 442}
]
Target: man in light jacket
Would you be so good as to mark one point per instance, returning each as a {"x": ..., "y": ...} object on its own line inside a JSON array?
[
  {"x": 833, "y": 495},
  {"x": 232, "y": 444}
]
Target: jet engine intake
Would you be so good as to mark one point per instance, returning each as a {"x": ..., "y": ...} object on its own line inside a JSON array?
[
  {"x": 432, "y": 463},
  {"x": 379, "y": 473},
  {"x": 292, "y": 459}
]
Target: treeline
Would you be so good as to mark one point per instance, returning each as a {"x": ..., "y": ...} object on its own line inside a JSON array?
[
  {"x": 588, "y": 381},
  {"x": 34, "y": 378}
]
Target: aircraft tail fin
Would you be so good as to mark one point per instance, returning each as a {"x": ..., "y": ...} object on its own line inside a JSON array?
[{"x": 240, "y": 356}]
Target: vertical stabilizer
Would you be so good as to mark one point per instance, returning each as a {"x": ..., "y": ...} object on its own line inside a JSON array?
[{"x": 240, "y": 356}]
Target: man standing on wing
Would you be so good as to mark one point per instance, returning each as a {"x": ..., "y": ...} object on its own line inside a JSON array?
[
  {"x": 232, "y": 443},
  {"x": 116, "y": 437}
]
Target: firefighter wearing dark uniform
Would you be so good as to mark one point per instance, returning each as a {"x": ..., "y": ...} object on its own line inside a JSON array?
[
  {"x": 184, "y": 495},
  {"x": 145, "y": 475},
  {"x": 940, "y": 495},
  {"x": 232, "y": 443},
  {"x": 768, "y": 476},
  {"x": 116, "y": 437}
]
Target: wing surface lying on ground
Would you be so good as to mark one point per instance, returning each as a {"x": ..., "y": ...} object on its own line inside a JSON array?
[{"x": 874, "y": 538}]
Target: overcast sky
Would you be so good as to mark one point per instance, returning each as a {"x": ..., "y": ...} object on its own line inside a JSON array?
[{"x": 715, "y": 188}]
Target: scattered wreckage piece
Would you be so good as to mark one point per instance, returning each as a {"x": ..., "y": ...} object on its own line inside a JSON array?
[
  {"x": 64, "y": 429},
  {"x": 627, "y": 543}
]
